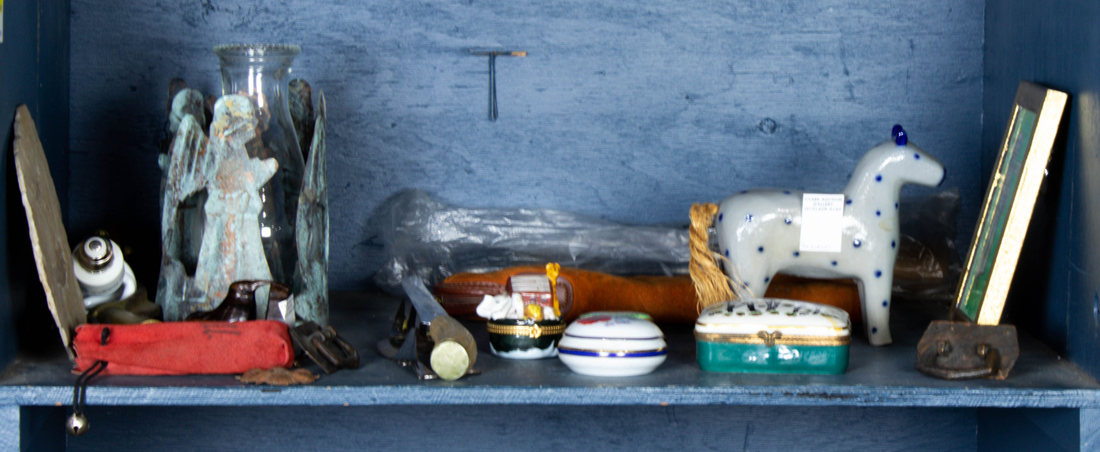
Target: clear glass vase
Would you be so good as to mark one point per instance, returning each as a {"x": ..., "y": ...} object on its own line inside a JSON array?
[{"x": 261, "y": 72}]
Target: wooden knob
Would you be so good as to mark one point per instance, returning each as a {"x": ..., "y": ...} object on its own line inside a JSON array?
[{"x": 455, "y": 351}]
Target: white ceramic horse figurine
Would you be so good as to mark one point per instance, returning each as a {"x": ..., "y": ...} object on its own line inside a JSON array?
[{"x": 759, "y": 230}]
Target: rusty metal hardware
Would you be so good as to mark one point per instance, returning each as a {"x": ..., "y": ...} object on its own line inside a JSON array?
[
  {"x": 963, "y": 350},
  {"x": 325, "y": 347}
]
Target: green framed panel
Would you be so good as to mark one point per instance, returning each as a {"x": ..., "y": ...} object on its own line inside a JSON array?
[{"x": 1009, "y": 200}]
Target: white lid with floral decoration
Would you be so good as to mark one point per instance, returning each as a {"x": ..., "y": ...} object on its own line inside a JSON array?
[{"x": 790, "y": 317}]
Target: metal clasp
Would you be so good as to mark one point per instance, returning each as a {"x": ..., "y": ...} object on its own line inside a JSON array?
[
  {"x": 769, "y": 338},
  {"x": 325, "y": 347}
]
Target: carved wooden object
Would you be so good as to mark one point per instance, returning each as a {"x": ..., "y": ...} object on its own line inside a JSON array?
[{"x": 52, "y": 254}]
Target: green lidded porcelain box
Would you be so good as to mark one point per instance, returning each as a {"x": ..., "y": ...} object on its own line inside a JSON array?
[{"x": 773, "y": 336}]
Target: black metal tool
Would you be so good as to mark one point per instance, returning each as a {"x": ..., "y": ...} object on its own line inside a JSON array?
[
  {"x": 493, "y": 74},
  {"x": 407, "y": 341},
  {"x": 412, "y": 340},
  {"x": 454, "y": 353}
]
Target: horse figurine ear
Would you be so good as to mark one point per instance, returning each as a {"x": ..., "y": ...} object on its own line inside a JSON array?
[
  {"x": 759, "y": 233},
  {"x": 899, "y": 135}
]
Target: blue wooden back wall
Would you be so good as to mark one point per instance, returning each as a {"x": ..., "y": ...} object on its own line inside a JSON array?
[
  {"x": 629, "y": 111},
  {"x": 1056, "y": 44}
]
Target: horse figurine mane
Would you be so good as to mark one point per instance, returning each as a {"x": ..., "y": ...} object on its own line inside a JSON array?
[{"x": 759, "y": 230}]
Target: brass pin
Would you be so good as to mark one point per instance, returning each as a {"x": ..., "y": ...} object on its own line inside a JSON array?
[{"x": 552, "y": 270}]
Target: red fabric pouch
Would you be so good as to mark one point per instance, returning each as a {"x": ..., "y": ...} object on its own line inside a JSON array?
[{"x": 184, "y": 348}]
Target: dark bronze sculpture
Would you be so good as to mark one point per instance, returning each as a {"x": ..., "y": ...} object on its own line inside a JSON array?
[{"x": 239, "y": 304}]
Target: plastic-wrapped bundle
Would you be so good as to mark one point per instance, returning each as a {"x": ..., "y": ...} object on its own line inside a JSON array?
[{"x": 426, "y": 237}]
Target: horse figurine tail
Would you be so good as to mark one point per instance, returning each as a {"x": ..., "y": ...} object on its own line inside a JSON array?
[{"x": 711, "y": 285}]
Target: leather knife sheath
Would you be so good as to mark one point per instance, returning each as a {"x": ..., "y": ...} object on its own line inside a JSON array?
[{"x": 668, "y": 299}]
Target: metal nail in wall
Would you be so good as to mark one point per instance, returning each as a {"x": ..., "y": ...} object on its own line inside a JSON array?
[{"x": 492, "y": 54}]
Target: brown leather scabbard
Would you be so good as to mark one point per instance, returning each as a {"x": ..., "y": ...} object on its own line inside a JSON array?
[{"x": 668, "y": 299}]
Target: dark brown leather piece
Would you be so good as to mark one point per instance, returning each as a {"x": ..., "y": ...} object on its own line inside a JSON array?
[{"x": 239, "y": 304}]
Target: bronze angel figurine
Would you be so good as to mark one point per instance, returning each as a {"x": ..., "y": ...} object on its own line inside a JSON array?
[{"x": 213, "y": 199}]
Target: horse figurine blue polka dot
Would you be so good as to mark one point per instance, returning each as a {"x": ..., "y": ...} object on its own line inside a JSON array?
[{"x": 759, "y": 230}]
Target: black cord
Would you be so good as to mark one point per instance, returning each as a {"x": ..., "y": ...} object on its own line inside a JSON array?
[{"x": 80, "y": 389}]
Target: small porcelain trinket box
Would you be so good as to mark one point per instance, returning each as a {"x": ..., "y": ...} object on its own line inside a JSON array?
[
  {"x": 613, "y": 344},
  {"x": 524, "y": 338},
  {"x": 774, "y": 336}
]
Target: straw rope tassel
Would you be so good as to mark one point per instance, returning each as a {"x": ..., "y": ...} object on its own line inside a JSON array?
[{"x": 711, "y": 285}]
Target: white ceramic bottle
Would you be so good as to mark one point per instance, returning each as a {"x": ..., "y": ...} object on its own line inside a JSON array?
[{"x": 102, "y": 273}]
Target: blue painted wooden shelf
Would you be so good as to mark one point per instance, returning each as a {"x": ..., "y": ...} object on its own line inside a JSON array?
[
  {"x": 876, "y": 377},
  {"x": 628, "y": 111}
]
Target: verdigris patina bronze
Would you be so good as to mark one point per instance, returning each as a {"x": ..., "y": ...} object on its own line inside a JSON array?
[
  {"x": 230, "y": 247},
  {"x": 311, "y": 276},
  {"x": 211, "y": 228}
]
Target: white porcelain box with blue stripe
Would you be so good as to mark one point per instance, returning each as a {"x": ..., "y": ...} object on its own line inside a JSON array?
[{"x": 613, "y": 344}]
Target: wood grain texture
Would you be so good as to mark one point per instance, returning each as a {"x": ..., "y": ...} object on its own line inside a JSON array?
[
  {"x": 534, "y": 428},
  {"x": 14, "y": 84},
  {"x": 10, "y": 434},
  {"x": 32, "y": 428},
  {"x": 623, "y": 111},
  {"x": 1089, "y": 424},
  {"x": 1028, "y": 429},
  {"x": 52, "y": 254},
  {"x": 1058, "y": 292},
  {"x": 876, "y": 377},
  {"x": 35, "y": 62},
  {"x": 38, "y": 428}
]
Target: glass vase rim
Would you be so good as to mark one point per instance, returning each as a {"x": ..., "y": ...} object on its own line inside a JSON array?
[{"x": 257, "y": 50}]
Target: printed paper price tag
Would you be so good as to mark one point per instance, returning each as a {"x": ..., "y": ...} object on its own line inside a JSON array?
[{"x": 822, "y": 217}]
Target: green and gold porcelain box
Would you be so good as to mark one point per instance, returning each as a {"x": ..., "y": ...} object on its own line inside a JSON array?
[
  {"x": 773, "y": 336},
  {"x": 525, "y": 338}
]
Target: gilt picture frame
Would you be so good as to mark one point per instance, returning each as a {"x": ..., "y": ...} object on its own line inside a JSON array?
[{"x": 1009, "y": 200}]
